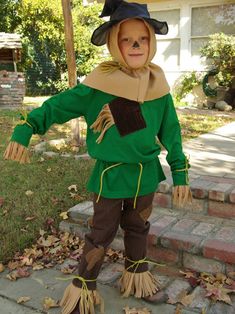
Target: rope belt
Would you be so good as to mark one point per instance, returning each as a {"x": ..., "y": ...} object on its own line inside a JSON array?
[{"x": 115, "y": 165}]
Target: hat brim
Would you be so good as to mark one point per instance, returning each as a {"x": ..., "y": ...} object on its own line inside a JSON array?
[{"x": 99, "y": 35}]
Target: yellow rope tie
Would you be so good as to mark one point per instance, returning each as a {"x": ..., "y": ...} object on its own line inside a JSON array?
[
  {"x": 141, "y": 261},
  {"x": 24, "y": 120},
  {"x": 84, "y": 285},
  {"x": 101, "y": 179},
  {"x": 185, "y": 169},
  {"x": 109, "y": 66},
  {"x": 138, "y": 186}
]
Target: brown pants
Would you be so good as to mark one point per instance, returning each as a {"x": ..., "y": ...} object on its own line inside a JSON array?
[{"x": 108, "y": 215}]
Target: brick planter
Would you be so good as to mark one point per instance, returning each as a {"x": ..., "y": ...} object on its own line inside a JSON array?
[{"x": 12, "y": 89}]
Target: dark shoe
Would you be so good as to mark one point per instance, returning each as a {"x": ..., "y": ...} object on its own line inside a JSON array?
[{"x": 157, "y": 298}]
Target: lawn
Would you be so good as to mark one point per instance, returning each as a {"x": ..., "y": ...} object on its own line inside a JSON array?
[{"x": 31, "y": 194}]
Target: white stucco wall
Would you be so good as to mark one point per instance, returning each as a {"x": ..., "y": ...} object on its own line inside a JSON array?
[{"x": 190, "y": 24}]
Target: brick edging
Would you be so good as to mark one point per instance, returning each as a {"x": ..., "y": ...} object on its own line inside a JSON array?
[{"x": 212, "y": 196}]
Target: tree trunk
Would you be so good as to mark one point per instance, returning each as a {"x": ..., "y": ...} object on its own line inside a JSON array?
[{"x": 71, "y": 63}]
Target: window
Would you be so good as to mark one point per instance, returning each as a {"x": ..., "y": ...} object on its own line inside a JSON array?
[
  {"x": 209, "y": 20},
  {"x": 168, "y": 46}
]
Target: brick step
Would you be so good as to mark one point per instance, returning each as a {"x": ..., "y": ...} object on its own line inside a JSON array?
[
  {"x": 212, "y": 196},
  {"x": 190, "y": 240}
]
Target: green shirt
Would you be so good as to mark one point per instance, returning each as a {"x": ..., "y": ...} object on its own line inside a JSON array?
[{"x": 137, "y": 152}]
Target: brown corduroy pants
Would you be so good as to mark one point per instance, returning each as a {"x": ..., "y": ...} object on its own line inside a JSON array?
[{"x": 108, "y": 215}]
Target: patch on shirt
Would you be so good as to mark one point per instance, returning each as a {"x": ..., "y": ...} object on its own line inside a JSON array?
[{"x": 127, "y": 115}]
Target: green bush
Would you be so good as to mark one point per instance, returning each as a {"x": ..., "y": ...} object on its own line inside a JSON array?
[
  {"x": 185, "y": 84},
  {"x": 220, "y": 55}
]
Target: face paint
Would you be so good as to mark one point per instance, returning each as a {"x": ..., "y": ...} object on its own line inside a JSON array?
[{"x": 136, "y": 45}]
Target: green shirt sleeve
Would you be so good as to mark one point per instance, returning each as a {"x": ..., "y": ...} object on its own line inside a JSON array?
[
  {"x": 59, "y": 109},
  {"x": 170, "y": 137}
]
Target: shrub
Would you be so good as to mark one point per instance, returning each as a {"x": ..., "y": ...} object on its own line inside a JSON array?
[
  {"x": 220, "y": 55},
  {"x": 186, "y": 83}
]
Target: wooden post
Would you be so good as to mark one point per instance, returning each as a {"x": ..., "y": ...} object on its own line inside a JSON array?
[{"x": 71, "y": 62}]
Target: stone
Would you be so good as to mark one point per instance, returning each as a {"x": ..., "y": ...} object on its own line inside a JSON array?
[
  {"x": 199, "y": 299},
  {"x": 202, "y": 264},
  {"x": 223, "y": 106},
  {"x": 40, "y": 148},
  {"x": 176, "y": 288}
]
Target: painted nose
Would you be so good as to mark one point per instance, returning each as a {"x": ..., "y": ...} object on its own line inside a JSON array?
[{"x": 136, "y": 45}]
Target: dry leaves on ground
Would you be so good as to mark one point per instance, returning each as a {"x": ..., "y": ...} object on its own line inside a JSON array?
[
  {"x": 178, "y": 309},
  {"x": 112, "y": 255},
  {"x": 18, "y": 273},
  {"x": 217, "y": 286},
  {"x": 73, "y": 187},
  {"x": 49, "y": 303},
  {"x": 136, "y": 311},
  {"x": 64, "y": 215},
  {"x": 23, "y": 300},
  {"x": 29, "y": 193},
  {"x": 51, "y": 248}
]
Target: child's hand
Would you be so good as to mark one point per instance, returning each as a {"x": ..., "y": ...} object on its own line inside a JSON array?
[
  {"x": 17, "y": 152},
  {"x": 182, "y": 195}
]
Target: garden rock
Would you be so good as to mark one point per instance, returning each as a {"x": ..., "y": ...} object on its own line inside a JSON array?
[{"x": 223, "y": 106}]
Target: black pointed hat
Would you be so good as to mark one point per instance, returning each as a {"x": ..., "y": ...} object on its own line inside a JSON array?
[{"x": 119, "y": 10}]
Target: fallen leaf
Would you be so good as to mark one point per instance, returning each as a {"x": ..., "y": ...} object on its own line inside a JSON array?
[
  {"x": 188, "y": 274},
  {"x": 203, "y": 311},
  {"x": 187, "y": 300},
  {"x": 5, "y": 212},
  {"x": 218, "y": 293},
  {"x": 30, "y": 218},
  {"x": 178, "y": 309},
  {"x": 23, "y": 272},
  {"x": 64, "y": 215},
  {"x": 37, "y": 267},
  {"x": 1, "y": 268},
  {"x": 136, "y": 311},
  {"x": 23, "y": 300},
  {"x": 68, "y": 270},
  {"x": 29, "y": 193},
  {"x": 231, "y": 275},
  {"x": 49, "y": 303},
  {"x": 73, "y": 187},
  {"x": 13, "y": 265},
  {"x": 42, "y": 232}
]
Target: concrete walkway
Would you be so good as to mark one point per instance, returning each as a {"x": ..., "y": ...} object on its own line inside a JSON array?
[{"x": 211, "y": 154}]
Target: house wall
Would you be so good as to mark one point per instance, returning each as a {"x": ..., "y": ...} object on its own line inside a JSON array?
[{"x": 190, "y": 23}]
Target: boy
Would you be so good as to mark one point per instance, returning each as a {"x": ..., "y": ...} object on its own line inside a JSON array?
[{"x": 126, "y": 104}]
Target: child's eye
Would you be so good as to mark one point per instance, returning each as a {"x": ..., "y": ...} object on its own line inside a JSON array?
[
  {"x": 125, "y": 39},
  {"x": 144, "y": 39}
]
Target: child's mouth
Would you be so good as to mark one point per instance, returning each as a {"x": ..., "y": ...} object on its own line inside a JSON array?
[{"x": 136, "y": 55}]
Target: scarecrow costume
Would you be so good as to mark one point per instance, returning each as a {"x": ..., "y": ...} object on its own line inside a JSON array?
[{"x": 125, "y": 109}]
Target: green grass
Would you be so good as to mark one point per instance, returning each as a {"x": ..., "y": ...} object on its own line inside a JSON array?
[
  {"x": 193, "y": 125},
  {"x": 49, "y": 180}
]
